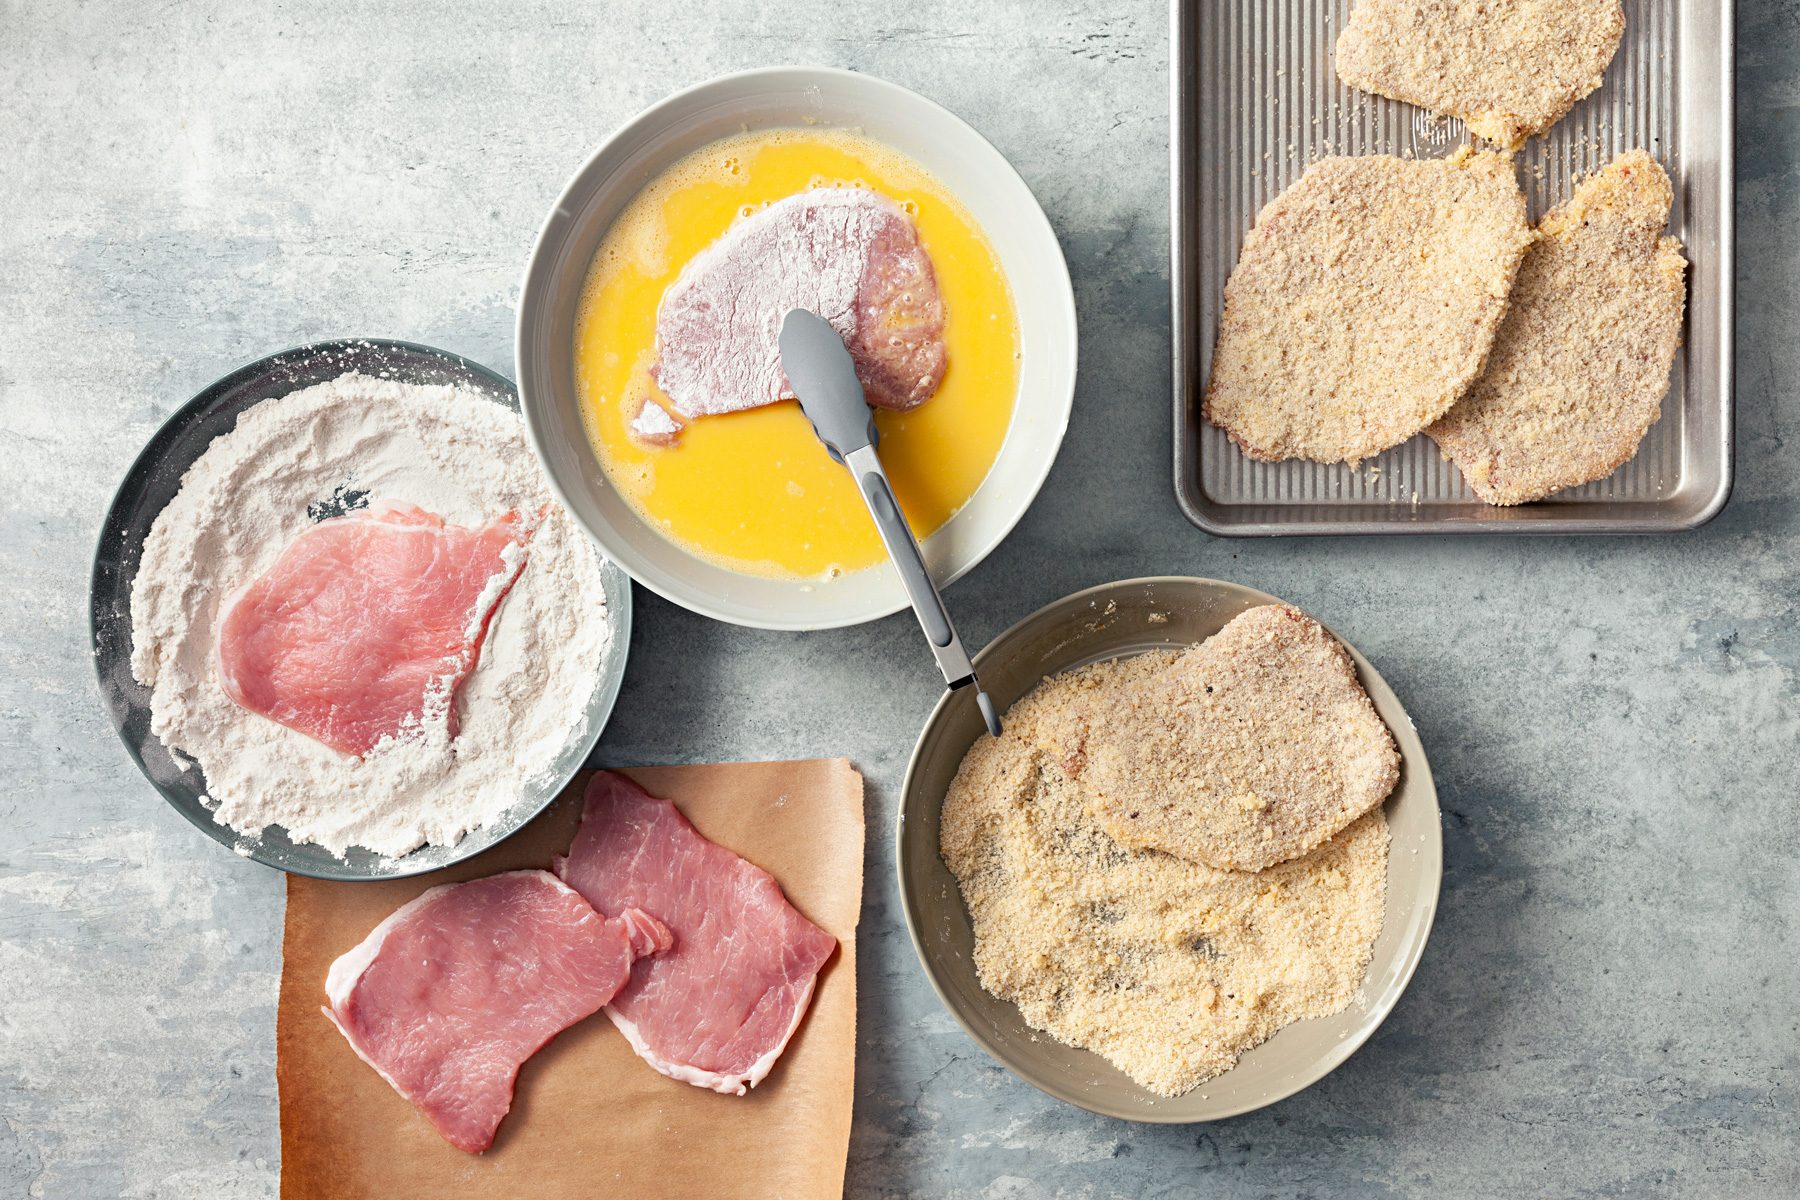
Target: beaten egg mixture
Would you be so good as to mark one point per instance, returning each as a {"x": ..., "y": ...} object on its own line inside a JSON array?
[{"x": 755, "y": 490}]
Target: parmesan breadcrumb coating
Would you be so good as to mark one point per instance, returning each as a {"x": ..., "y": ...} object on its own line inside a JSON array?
[
  {"x": 1581, "y": 366},
  {"x": 1509, "y": 68},
  {"x": 1364, "y": 303},
  {"x": 1252, "y": 748}
]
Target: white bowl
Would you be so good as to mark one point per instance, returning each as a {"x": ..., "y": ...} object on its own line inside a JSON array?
[{"x": 784, "y": 97}]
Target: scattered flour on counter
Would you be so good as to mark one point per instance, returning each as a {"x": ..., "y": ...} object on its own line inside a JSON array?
[{"x": 448, "y": 450}]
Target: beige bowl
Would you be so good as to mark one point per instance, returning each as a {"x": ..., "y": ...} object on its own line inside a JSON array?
[{"x": 1112, "y": 621}]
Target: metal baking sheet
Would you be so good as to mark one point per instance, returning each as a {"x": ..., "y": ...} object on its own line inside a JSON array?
[{"x": 1256, "y": 100}]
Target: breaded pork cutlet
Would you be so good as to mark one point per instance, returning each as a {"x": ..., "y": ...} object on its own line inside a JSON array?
[
  {"x": 1252, "y": 748},
  {"x": 1581, "y": 366},
  {"x": 1364, "y": 302},
  {"x": 1509, "y": 68}
]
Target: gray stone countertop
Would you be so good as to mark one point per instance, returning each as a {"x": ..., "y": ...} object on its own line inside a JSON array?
[{"x": 1608, "y": 1003}]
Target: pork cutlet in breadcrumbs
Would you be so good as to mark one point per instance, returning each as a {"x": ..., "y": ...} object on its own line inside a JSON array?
[
  {"x": 1581, "y": 366},
  {"x": 1364, "y": 302},
  {"x": 1509, "y": 68},
  {"x": 1254, "y": 747},
  {"x": 1167, "y": 968}
]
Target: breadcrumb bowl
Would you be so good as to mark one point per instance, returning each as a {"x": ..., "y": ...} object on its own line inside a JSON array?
[{"x": 1112, "y": 621}]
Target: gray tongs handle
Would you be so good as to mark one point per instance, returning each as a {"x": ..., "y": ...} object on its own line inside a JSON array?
[
  {"x": 824, "y": 378},
  {"x": 934, "y": 618}
]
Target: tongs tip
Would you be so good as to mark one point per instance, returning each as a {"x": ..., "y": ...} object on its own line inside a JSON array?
[{"x": 989, "y": 713}]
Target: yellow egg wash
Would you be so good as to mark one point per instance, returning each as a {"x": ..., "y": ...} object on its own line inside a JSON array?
[{"x": 755, "y": 490}]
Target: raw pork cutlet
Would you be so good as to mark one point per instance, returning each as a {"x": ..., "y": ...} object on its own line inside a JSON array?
[
  {"x": 847, "y": 254},
  {"x": 1365, "y": 301},
  {"x": 1581, "y": 365},
  {"x": 718, "y": 1009},
  {"x": 1509, "y": 68},
  {"x": 1252, "y": 748},
  {"x": 451, "y": 994},
  {"x": 368, "y": 624}
]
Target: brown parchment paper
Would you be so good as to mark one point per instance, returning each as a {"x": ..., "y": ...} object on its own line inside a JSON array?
[{"x": 589, "y": 1118}]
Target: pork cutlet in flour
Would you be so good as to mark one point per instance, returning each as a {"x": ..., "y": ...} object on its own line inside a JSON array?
[
  {"x": 1509, "y": 68},
  {"x": 1581, "y": 366},
  {"x": 1364, "y": 302},
  {"x": 367, "y": 625}
]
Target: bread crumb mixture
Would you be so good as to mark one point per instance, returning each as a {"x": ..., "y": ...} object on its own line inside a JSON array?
[
  {"x": 353, "y": 440},
  {"x": 1168, "y": 969}
]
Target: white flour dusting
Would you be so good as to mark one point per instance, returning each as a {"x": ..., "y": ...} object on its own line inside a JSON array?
[{"x": 446, "y": 450}]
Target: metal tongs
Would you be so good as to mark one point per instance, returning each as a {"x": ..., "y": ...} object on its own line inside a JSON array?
[{"x": 819, "y": 367}]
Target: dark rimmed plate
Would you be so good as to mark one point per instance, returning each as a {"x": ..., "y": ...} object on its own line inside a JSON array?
[{"x": 153, "y": 481}]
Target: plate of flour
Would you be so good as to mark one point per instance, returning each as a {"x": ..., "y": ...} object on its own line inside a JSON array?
[{"x": 234, "y": 476}]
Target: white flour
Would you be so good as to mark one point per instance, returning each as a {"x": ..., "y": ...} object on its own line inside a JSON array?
[{"x": 454, "y": 453}]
